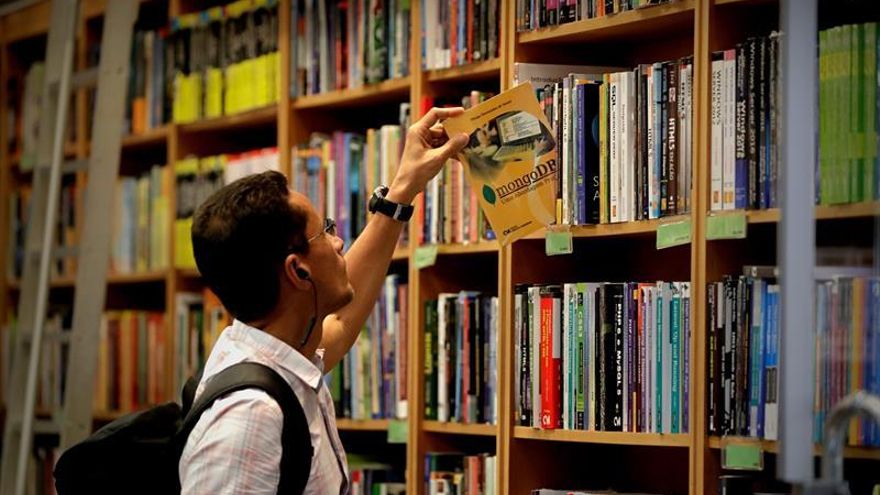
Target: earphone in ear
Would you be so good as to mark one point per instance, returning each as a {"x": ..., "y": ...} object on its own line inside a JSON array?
[{"x": 301, "y": 273}]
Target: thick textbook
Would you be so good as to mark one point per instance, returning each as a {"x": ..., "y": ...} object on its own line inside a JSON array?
[{"x": 510, "y": 161}]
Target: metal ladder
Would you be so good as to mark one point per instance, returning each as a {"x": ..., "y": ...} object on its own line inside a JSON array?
[{"x": 73, "y": 423}]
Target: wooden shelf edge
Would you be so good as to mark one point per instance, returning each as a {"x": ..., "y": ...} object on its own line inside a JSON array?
[
  {"x": 606, "y": 23},
  {"x": 152, "y": 137},
  {"x": 346, "y": 424},
  {"x": 485, "y": 430},
  {"x": 822, "y": 212},
  {"x": 258, "y": 116},
  {"x": 604, "y": 437},
  {"x": 357, "y": 96},
  {"x": 614, "y": 229},
  {"x": 745, "y": 2},
  {"x": 468, "y": 248},
  {"x": 466, "y": 72},
  {"x": 113, "y": 279},
  {"x": 400, "y": 253},
  {"x": 771, "y": 446},
  {"x": 188, "y": 272}
]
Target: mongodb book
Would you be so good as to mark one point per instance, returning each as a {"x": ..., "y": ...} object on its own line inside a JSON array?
[{"x": 510, "y": 160}]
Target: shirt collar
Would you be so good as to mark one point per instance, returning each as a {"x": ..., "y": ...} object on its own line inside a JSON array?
[{"x": 275, "y": 350}]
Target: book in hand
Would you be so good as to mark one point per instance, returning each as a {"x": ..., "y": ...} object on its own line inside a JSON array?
[{"x": 510, "y": 161}]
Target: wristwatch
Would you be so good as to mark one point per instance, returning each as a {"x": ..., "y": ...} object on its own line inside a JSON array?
[{"x": 397, "y": 211}]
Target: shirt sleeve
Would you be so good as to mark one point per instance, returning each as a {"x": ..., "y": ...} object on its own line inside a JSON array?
[{"x": 235, "y": 448}]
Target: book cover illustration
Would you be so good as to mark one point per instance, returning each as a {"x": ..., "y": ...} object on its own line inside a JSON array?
[{"x": 511, "y": 161}]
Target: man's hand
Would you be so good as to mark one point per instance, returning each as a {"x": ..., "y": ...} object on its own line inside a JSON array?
[{"x": 427, "y": 149}]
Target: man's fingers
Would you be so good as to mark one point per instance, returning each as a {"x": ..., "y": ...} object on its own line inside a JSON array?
[{"x": 436, "y": 114}]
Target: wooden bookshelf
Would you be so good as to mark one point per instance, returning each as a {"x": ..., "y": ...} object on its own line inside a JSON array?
[
  {"x": 345, "y": 424},
  {"x": 639, "y": 23},
  {"x": 460, "y": 428},
  {"x": 372, "y": 94},
  {"x": 479, "y": 71},
  {"x": 772, "y": 447},
  {"x": 694, "y": 26},
  {"x": 604, "y": 437}
]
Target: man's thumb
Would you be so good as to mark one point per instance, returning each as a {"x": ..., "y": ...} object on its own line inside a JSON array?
[{"x": 452, "y": 146}]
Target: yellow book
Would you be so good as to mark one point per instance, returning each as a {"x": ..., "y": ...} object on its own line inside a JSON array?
[
  {"x": 511, "y": 160},
  {"x": 213, "y": 92}
]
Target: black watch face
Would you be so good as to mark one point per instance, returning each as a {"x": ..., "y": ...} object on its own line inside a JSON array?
[{"x": 374, "y": 202}]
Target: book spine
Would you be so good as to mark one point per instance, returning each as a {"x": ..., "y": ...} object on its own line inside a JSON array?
[
  {"x": 716, "y": 171},
  {"x": 741, "y": 189},
  {"x": 617, "y": 367},
  {"x": 580, "y": 156},
  {"x": 672, "y": 138}
]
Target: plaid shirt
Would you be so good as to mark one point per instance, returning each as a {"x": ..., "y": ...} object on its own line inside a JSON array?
[{"x": 235, "y": 447}]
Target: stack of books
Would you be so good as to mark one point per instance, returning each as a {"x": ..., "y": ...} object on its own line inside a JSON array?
[
  {"x": 461, "y": 362},
  {"x": 458, "y": 32},
  {"x": 531, "y": 14},
  {"x": 603, "y": 356},
  {"x": 370, "y": 383},
  {"x": 624, "y": 138},
  {"x": 132, "y": 352},
  {"x": 340, "y": 171},
  {"x": 745, "y": 125},
  {"x": 141, "y": 222},
  {"x": 344, "y": 45},
  {"x": 460, "y": 473}
]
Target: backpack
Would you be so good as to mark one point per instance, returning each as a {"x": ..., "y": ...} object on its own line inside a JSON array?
[{"x": 139, "y": 453}]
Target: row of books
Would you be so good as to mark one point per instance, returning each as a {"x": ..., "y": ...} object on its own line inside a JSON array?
[
  {"x": 624, "y": 138},
  {"x": 745, "y": 127},
  {"x": 370, "y": 476},
  {"x": 458, "y": 32},
  {"x": 220, "y": 61},
  {"x": 340, "y": 171},
  {"x": 132, "y": 350},
  {"x": 141, "y": 222},
  {"x": 199, "y": 318},
  {"x": 449, "y": 209},
  {"x": 461, "y": 361},
  {"x": 370, "y": 383},
  {"x": 743, "y": 350},
  {"x": 344, "y": 45},
  {"x": 447, "y": 473},
  {"x": 197, "y": 178},
  {"x": 534, "y": 14},
  {"x": 849, "y": 120},
  {"x": 742, "y": 356},
  {"x": 603, "y": 356},
  {"x": 65, "y": 232}
]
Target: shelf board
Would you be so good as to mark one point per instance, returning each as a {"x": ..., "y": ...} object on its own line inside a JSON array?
[
  {"x": 478, "y": 71},
  {"x": 189, "y": 272},
  {"x": 665, "y": 18},
  {"x": 385, "y": 91},
  {"x": 604, "y": 437},
  {"x": 252, "y": 118},
  {"x": 469, "y": 248},
  {"x": 345, "y": 424},
  {"x": 614, "y": 229},
  {"x": 400, "y": 253},
  {"x": 460, "y": 428},
  {"x": 823, "y": 212},
  {"x": 771, "y": 446},
  {"x": 151, "y": 138},
  {"x": 745, "y": 2},
  {"x": 153, "y": 276}
]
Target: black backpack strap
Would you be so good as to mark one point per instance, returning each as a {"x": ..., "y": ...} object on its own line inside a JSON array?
[{"x": 297, "y": 451}]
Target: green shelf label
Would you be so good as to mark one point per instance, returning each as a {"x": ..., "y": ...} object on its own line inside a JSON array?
[
  {"x": 743, "y": 456},
  {"x": 397, "y": 431},
  {"x": 425, "y": 256},
  {"x": 673, "y": 234},
  {"x": 727, "y": 226},
  {"x": 557, "y": 243}
]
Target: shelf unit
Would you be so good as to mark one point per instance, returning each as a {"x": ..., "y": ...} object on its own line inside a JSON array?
[
  {"x": 772, "y": 447},
  {"x": 527, "y": 458}
]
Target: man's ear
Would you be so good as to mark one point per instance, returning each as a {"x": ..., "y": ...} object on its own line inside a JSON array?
[{"x": 297, "y": 272}]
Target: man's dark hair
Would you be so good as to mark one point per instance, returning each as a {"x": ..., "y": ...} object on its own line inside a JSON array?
[{"x": 241, "y": 236}]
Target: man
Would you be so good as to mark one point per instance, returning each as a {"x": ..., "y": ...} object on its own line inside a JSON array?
[{"x": 298, "y": 305}]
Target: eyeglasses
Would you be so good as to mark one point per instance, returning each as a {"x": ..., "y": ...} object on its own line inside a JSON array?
[{"x": 329, "y": 229}]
